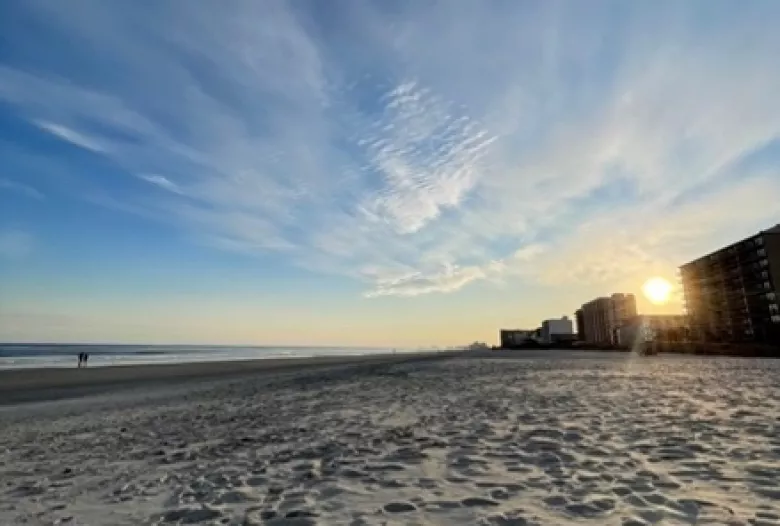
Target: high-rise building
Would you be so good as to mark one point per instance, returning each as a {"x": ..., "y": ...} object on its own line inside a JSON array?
[
  {"x": 580, "y": 320},
  {"x": 595, "y": 316},
  {"x": 653, "y": 327},
  {"x": 623, "y": 309},
  {"x": 602, "y": 317},
  {"x": 731, "y": 295}
]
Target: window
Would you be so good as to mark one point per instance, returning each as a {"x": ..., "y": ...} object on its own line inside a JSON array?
[
  {"x": 767, "y": 285},
  {"x": 774, "y": 309},
  {"x": 764, "y": 262},
  {"x": 771, "y": 296},
  {"x": 761, "y": 252},
  {"x": 759, "y": 241},
  {"x": 776, "y": 319},
  {"x": 764, "y": 274}
]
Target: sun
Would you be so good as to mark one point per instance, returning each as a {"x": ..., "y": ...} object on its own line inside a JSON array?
[{"x": 657, "y": 290}]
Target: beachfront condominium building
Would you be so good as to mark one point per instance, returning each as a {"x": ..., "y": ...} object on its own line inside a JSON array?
[
  {"x": 645, "y": 328},
  {"x": 595, "y": 316},
  {"x": 557, "y": 331},
  {"x": 623, "y": 309},
  {"x": 602, "y": 317},
  {"x": 733, "y": 294}
]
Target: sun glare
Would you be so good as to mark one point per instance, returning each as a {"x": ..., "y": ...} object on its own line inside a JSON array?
[{"x": 657, "y": 290}]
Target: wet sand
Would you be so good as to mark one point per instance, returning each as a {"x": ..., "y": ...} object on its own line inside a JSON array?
[{"x": 38, "y": 385}]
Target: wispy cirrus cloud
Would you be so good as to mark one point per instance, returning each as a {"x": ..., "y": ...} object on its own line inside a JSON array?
[
  {"x": 431, "y": 147},
  {"x": 162, "y": 182},
  {"x": 70, "y": 135},
  {"x": 21, "y": 188},
  {"x": 448, "y": 278},
  {"x": 427, "y": 155}
]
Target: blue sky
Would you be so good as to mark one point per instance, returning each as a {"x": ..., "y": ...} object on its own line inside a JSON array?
[{"x": 370, "y": 173}]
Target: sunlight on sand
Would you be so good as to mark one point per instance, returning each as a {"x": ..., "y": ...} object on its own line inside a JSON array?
[{"x": 515, "y": 439}]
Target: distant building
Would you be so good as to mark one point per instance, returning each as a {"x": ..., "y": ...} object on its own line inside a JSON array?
[
  {"x": 731, "y": 295},
  {"x": 515, "y": 337},
  {"x": 595, "y": 315},
  {"x": 602, "y": 317},
  {"x": 557, "y": 331},
  {"x": 623, "y": 309},
  {"x": 579, "y": 318},
  {"x": 652, "y": 327}
]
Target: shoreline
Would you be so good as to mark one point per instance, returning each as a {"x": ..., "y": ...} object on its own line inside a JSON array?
[
  {"x": 38, "y": 356},
  {"x": 48, "y": 384},
  {"x": 19, "y": 386}
]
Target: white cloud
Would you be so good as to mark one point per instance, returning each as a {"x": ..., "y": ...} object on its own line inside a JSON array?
[
  {"x": 427, "y": 156},
  {"x": 21, "y": 188},
  {"x": 447, "y": 279},
  {"x": 161, "y": 181},
  {"x": 71, "y": 136},
  {"x": 619, "y": 247},
  {"x": 435, "y": 147}
]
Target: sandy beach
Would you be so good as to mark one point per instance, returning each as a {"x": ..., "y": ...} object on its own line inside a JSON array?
[
  {"x": 31, "y": 385},
  {"x": 519, "y": 439}
]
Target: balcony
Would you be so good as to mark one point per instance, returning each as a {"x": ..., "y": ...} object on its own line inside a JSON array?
[
  {"x": 763, "y": 290},
  {"x": 732, "y": 287},
  {"x": 749, "y": 245},
  {"x": 755, "y": 277},
  {"x": 753, "y": 256}
]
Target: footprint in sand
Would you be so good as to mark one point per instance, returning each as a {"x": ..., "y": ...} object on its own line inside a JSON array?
[
  {"x": 399, "y": 507},
  {"x": 475, "y": 502},
  {"x": 190, "y": 516}
]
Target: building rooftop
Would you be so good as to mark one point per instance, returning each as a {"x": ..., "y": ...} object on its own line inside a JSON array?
[
  {"x": 602, "y": 298},
  {"x": 771, "y": 230}
]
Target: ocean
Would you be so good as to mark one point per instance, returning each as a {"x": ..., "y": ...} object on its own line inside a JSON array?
[{"x": 24, "y": 356}]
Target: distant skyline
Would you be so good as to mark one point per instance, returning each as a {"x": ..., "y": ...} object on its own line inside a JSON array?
[{"x": 370, "y": 173}]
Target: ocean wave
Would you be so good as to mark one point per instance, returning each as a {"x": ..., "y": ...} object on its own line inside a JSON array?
[{"x": 14, "y": 356}]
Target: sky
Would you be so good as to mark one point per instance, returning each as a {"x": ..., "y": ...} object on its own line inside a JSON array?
[{"x": 407, "y": 173}]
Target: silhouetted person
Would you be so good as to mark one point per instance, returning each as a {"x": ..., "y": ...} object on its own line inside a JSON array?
[
  {"x": 86, "y": 357},
  {"x": 81, "y": 358}
]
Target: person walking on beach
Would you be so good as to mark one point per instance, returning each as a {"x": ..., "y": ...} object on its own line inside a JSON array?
[
  {"x": 86, "y": 357},
  {"x": 81, "y": 358}
]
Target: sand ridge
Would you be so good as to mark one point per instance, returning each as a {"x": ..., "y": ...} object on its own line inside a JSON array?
[{"x": 613, "y": 440}]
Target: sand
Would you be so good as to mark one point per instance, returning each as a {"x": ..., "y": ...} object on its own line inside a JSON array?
[
  {"x": 518, "y": 440},
  {"x": 31, "y": 385}
]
